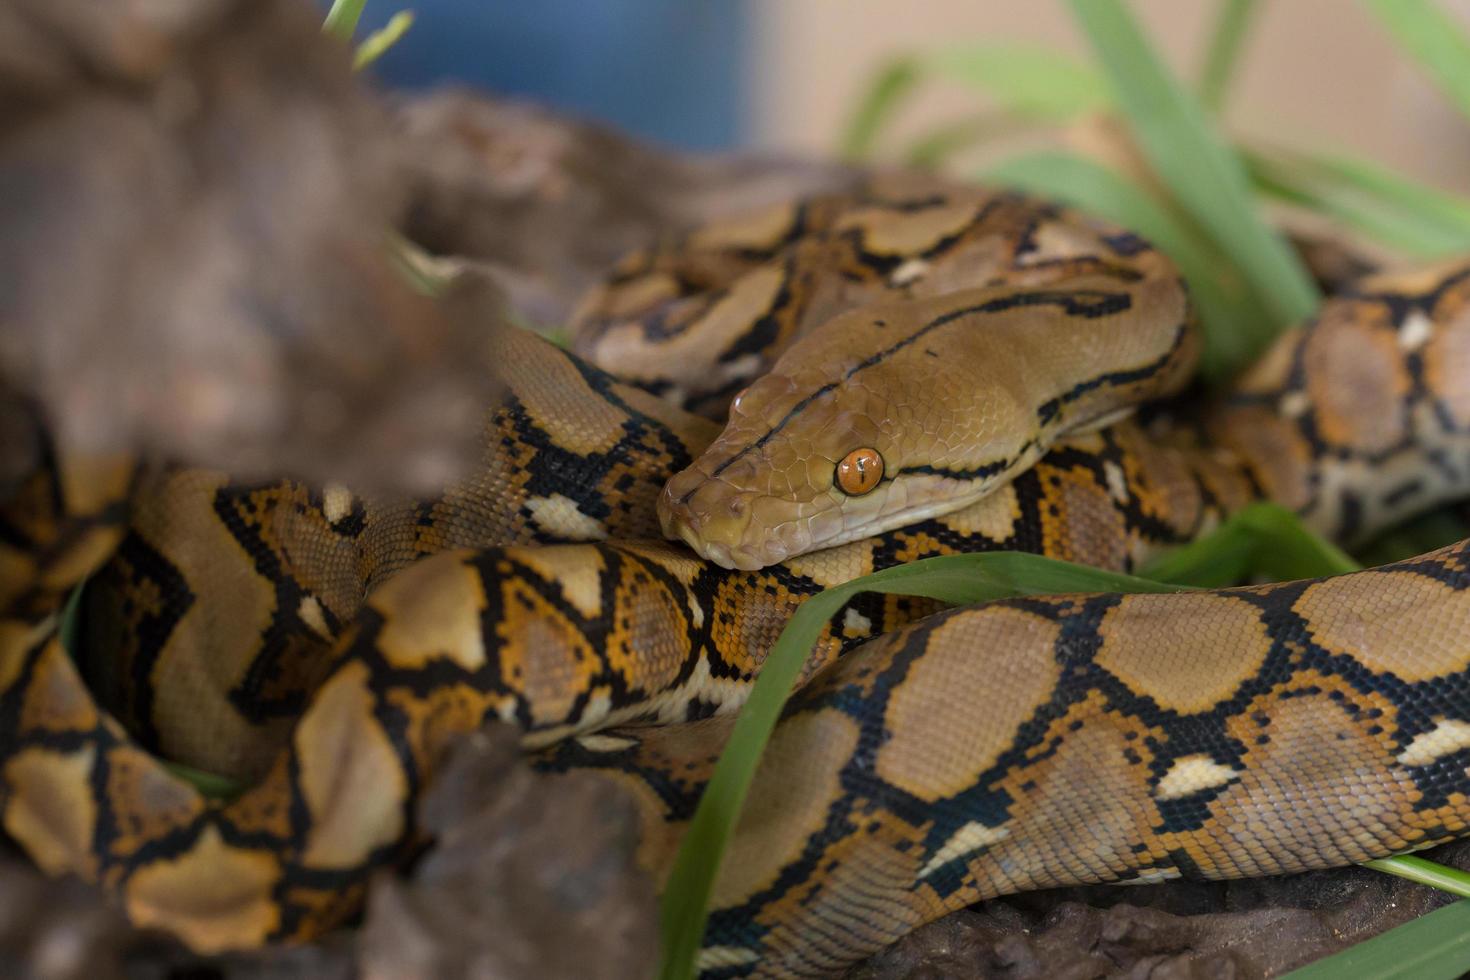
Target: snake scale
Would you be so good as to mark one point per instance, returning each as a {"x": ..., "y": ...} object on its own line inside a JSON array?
[{"x": 327, "y": 646}]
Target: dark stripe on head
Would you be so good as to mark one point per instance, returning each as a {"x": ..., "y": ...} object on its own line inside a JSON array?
[{"x": 1091, "y": 304}]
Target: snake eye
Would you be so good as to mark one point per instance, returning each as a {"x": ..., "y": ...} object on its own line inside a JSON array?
[{"x": 859, "y": 472}]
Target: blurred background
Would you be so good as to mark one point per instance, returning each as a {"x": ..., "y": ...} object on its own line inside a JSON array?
[{"x": 778, "y": 75}]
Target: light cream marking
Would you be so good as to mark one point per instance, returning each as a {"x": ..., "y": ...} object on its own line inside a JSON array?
[
  {"x": 1450, "y": 735},
  {"x": 746, "y": 366},
  {"x": 1153, "y": 876},
  {"x": 1295, "y": 404},
  {"x": 1415, "y": 331},
  {"x": 1192, "y": 774},
  {"x": 716, "y": 957},
  {"x": 336, "y": 502},
  {"x": 599, "y": 706},
  {"x": 855, "y": 623},
  {"x": 968, "y": 839},
  {"x": 605, "y": 743},
  {"x": 559, "y": 515},
  {"x": 310, "y": 613},
  {"x": 1117, "y": 481},
  {"x": 910, "y": 271}
]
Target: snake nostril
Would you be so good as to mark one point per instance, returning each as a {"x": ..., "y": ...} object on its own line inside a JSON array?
[{"x": 738, "y": 506}]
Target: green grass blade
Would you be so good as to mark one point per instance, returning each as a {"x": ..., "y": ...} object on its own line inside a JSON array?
[
  {"x": 1231, "y": 27},
  {"x": 1434, "y": 39},
  {"x": 342, "y": 19},
  {"x": 1425, "y": 872},
  {"x": 1405, "y": 215},
  {"x": 1432, "y": 947},
  {"x": 1228, "y": 310},
  {"x": 1201, "y": 172},
  {"x": 208, "y": 784},
  {"x": 1264, "y": 540},
  {"x": 379, "y": 41},
  {"x": 875, "y": 108},
  {"x": 1029, "y": 81},
  {"x": 939, "y": 144},
  {"x": 953, "y": 579}
]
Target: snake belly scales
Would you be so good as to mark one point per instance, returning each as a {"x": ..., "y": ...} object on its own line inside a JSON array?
[{"x": 920, "y": 370}]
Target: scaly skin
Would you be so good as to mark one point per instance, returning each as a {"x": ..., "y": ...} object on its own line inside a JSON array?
[{"x": 918, "y": 772}]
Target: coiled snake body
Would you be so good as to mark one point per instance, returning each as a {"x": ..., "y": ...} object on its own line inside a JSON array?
[{"x": 328, "y": 646}]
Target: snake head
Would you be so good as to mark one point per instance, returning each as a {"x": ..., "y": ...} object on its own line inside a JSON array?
[
  {"x": 764, "y": 491},
  {"x": 895, "y": 413},
  {"x": 828, "y": 448}
]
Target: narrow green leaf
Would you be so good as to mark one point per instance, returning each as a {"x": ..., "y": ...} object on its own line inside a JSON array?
[
  {"x": 952, "y": 579},
  {"x": 887, "y": 90},
  {"x": 379, "y": 41},
  {"x": 1425, "y": 872},
  {"x": 1432, "y": 947},
  {"x": 1402, "y": 214},
  {"x": 207, "y": 783},
  {"x": 1200, "y": 171},
  {"x": 70, "y": 624},
  {"x": 937, "y": 146},
  {"x": 1435, "y": 39},
  {"x": 342, "y": 19},
  {"x": 1028, "y": 82},
  {"x": 1031, "y": 81},
  {"x": 1228, "y": 311},
  {"x": 1262, "y": 540},
  {"x": 1231, "y": 26},
  {"x": 429, "y": 275}
]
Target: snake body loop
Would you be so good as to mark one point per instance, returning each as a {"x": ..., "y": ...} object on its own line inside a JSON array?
[{"x": 328, "y": 647}]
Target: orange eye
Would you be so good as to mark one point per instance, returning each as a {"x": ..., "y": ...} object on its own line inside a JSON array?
[{"x": 859, "y": 472}]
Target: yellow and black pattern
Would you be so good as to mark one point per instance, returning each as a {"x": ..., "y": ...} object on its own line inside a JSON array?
[
  {"x": 698, "y": 318},
  {"x": 1035, "y": 743},
  {"x": 941, "y": 761}
]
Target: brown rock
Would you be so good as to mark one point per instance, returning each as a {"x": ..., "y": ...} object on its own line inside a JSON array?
[{"x": 531, "y": 876}]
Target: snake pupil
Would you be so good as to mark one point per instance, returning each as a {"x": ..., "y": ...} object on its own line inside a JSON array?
[{"x": 859, "y": 472}]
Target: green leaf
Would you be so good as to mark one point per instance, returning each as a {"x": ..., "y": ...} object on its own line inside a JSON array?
[
  {"x": 1425, "y": 872},
  {"x": 952, "y": 579},
  {"x": 70, "y": 623},
  {"x": 1201, "y": 172},
  {"x": 1028, "y": 82},
  {"x": 1432, "y": 947},
  {"x": 379, "y": 41},
  {"x": 935, "y": 147},
  {"x": 1031, "y": 81},
  {"x": 1434, "y": 39},
  {"x": 1228, "y": 311},
  {"x": 1261, "y": 540},
  {"x": 342, "y": 19},
  {"x": 1231, "y": 27},
  {"x": 1405, "y": 215},
  {"x": 209, "y": 784},
  {"x": 891, "y": 85}
]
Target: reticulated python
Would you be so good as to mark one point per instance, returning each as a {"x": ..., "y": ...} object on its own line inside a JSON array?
[{"x": 329, "y": 646}]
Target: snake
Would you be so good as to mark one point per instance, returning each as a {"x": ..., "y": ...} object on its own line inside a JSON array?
[{"x": 326, "y": 647}]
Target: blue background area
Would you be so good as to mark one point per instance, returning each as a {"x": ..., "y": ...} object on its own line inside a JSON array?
[{"x": 668, "y": 70}]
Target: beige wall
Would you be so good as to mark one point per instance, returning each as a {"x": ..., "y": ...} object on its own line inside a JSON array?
[{"x": 1319, "y": 73}]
